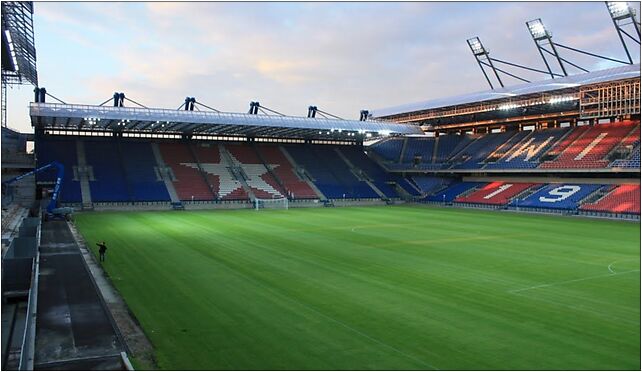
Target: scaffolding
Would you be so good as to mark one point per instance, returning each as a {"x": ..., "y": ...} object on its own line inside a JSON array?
[
  {"x": 610, "y": 100},
  {"x": 18, "y": 48}
]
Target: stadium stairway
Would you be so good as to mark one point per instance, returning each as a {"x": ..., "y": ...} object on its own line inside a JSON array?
[
  {"x": 84, "y": 172},
  {"x": 270, "y": 168},
  {"x": 362, "y": 175},
  {"x": 201, "y": 171},
  {"x": 207, "y": 154},
  {"x": 164, "y": 175},
  {"x": 404, "y": 145},
  {"x": 253, "y": 172},
  {"x": 230, "y": 186},
  {"x": 307, "y": 180}
]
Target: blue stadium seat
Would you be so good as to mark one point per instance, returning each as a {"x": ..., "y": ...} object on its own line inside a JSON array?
[
  {"x": 330, "y": 172},
  {"x": 526, "y": 153},
  {"x": 389, "y": 149},
  {"x": 109, "y": 184},
  {"x": 423, "y": 147},
  {"x": 139, "y": 163},
  {"x": 453, "y": 191},
  {"x": 476, "y": 152},
  {"x": 558, "y": 196}
]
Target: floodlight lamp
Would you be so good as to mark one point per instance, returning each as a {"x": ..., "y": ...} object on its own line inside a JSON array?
[
  {"x": 537, "y": 29},
  {"x": 476, "y": 46},
  {"x": 618, "y": 9}
]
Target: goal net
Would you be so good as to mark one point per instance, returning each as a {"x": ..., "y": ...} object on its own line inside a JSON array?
[{"x": 281, "y": 203}]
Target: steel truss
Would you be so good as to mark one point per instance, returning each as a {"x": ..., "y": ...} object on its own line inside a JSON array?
[{"x": 609, "y": 100}]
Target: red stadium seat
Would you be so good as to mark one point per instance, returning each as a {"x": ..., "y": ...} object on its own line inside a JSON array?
[
  {"x": 621, "y": 199},
  {"x": 586, "y": 147},
  {"x": 495, "y": 193}
]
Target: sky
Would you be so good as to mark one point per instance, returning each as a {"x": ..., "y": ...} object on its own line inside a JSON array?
[{"x": 341, "y": 57}]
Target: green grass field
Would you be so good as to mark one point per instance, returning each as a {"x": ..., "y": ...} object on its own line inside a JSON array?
[{"x": 377, "y": 288}]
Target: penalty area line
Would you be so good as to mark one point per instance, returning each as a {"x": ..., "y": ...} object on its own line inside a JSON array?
[{"x": 571, "y": 281}]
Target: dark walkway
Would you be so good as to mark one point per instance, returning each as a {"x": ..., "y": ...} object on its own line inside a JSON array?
[{"x": 73, "y": 326}]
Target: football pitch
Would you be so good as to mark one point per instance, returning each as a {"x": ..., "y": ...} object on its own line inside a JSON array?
[{"x": 395, "y": 287}]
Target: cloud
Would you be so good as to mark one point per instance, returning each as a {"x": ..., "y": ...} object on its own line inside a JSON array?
[{"x": 342, "y": 57}]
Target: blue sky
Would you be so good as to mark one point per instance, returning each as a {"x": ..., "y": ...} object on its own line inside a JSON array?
[{"x": 341, "y": 57}]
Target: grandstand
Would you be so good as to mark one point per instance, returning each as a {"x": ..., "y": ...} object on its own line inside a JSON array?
[{"x": 188, "y": 159}]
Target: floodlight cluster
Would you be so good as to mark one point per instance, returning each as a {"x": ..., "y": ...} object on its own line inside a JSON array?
[
  {"x": 618, "y": 9},
  {"x": 476, "y": 46},
  {"x": 537, "y": 29},
  {"x": 12, "y": 50}
]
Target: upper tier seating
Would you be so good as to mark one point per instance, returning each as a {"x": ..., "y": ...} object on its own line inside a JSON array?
[
  {"x": 472, "y": 156},
  {"x": 526, "y": 153},
  {"x": 450, "y": 145},
  {"x": 496, "y": 193},
  {"x": 295, "y": 187},
  {"x": 621, "y": 199},
  {"x": 453, "y": 191},
  {"x": 633, "y": 161},
  {"x": 557, "y": 196},
  {"x": 258, "y": 178},
  {"x": 139, "y": 162},
  {"x": 62, "y": 150},
  {"x": 389, "y": 149},
  {"x": 422, "y": 147},
  {"x": 589, "y": 149},
  {"x": 190, "y": 183}
]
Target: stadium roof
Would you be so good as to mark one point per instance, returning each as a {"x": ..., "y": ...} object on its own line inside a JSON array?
[
  {"x": 612, "y": 74},
  {"x": 151, "y": 120}
]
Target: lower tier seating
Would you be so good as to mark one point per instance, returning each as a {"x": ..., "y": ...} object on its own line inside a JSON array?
[
  {"x": 621, "y": 199},
  {"x": 558, "y": 196},
  {"x": 495, "y": 193},
  {"x": 453, "y": 191}
]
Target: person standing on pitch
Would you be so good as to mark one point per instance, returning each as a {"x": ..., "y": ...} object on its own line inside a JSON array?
[{"x": 102, "y": 248}]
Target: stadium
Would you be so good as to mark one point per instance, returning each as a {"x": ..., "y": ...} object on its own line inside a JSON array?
[{"x": 493, "y": 230}]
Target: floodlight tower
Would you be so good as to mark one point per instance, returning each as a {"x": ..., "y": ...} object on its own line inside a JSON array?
[
  {"x": 542, "y": 37},
  {"x": 482, "y": 58},
  {"x": 622, "y": 15}
]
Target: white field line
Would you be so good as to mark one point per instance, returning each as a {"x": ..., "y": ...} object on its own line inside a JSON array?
[
  {"x": 610, "y": 269},
  {"x": 571, "y": 281}
]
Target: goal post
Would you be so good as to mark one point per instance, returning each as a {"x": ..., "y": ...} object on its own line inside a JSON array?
[{"x": 280, "y": 203}]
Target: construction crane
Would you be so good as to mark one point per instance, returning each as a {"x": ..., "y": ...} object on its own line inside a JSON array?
[{"x": 52, "y": 208}]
